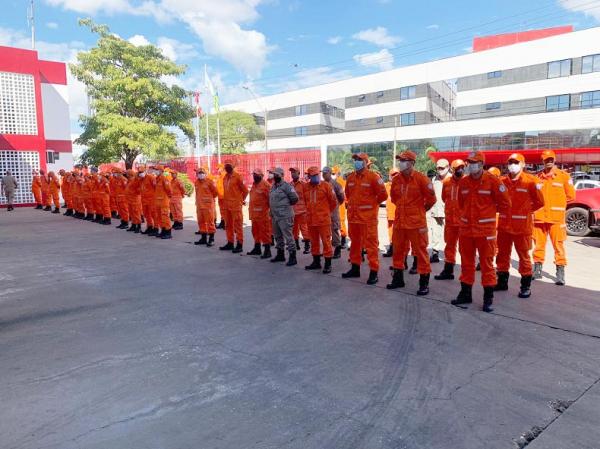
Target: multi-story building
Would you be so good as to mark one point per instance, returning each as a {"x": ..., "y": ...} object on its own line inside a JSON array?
[
  {"x": 34, "y": 117},
  {"x": 533, "y": 90}
]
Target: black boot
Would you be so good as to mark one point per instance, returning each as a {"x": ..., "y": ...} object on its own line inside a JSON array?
[
  {"x": 113, "y": 214},
  {"x": 337, "y": 252},
  {"x": 560, "y": 275},
  {"x": 435, "y": 257},
  {"x": 280, "y": 257},
  {"x": 502, "y": 284},
  {"x": 397, "y": 280},
  {"x": 315, "y": 265},
  {"x": 227, "y": 247},
  {"x": 291, "y": 259},
  {"x": 413, "y": 269},
  {"x": 354, "y": 272},
  {"x": 488, "y": 299},
  {"x": 465, "y": 296},
  {"x": 138, "y": 229},
  {"x": 221, "y": 224},
  {"x": 48, "y": 208},
  {"x": 389, "y": 252},
  {"x": 56, "y": 210},
  {"x": 238, "y": 248},
  {"x": 537, "y": 270},
  {"x": 178, "y": 226},
  {"x": 202, "y": 241},
  {"x": 525, "y": 291},
  {"x": 153, "y": 232},
  {"x": 297, "y": 241},
  {"x": 306, "y": 247},
  {"x": 166, "y": 235},
  {"x": 131, "y": 228},
  {"x": 99, "y": 218},
  {"x": 147, "y": 230},
  {"x": 159, "y": 235},
  {"x": 267, "y": 252},
  {"x": 211, "y": 240},
  {"x": 199, "y": 232},
  {"x": 373, "y": 278},
  {"x": 120, "y": 226},
  {"x": 423, "y": 285},
  {"x": 327, "y": 267},
  {"x": 39, "y": 206},
  {"x": 343, "y": 242},
  {"x": 256, "y": 251},
  {"x": 106, "y": 221},
  {"x": 447, "y": 272}
]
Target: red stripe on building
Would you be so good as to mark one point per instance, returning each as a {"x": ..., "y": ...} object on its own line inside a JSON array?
[
  {"x": 53, "y": 72},
  {"x": 60, "y": 146}
]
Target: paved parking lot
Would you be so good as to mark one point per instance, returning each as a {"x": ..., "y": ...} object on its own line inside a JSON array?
[{"x": 111, "y": 340}]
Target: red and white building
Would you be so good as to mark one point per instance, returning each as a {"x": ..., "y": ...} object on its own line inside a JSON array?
[{"x": 35, "y": 128}]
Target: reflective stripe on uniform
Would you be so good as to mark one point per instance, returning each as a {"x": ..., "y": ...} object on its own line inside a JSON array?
[
  {"x": 557, "y": 208},
  {"x": 485, "y": 192},
  {"x": 487, "y": 220},
  {"x": 557, "y": 184},
  {"x": 491, "y": 238},
  {"x": 520, "y": 217},
  {"x": 521, "y": 190},
  {"x": 366, "y": 206}
]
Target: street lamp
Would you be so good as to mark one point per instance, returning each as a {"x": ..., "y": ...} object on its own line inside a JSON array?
[{"x": 266, "y": 112}]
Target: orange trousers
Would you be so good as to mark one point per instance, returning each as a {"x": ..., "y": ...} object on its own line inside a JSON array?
[
  {"x": 104, "y": 202},
  {"x": 123, "y": 207},
  {"x": 37, "y": 195},
  {"x": 415, "y": 239},
  {"x": 114, "y": 204},
  {"x": 320, "y": 234},
  {"x": 134, "y": 207},
  {"x": 390, "y": 226},
  {"x": 221, "y": 209},
  {"x": 343, "y": 217},
  {"x": 148, "y": 211},
  {"x": 46, "y": 198},
  {"x": 161, "y": 214},
  {"x": 469, "y": 247},
  {"x": 206, "y": 220},
  {"x": 522, "y": 243},
  {"x": 176, "y": 205},
  {"x": 261, "y": 230},
  {"x": 55, "y": 199},
  {"x": 88, "y": 205},
  {"x": 301, "y": 226},
  {"x": 451, "y": 239},
  {"x": 364, "y": 236},
  {"x": 234, "y": 225},
  {"x": 558, "y": 235}
]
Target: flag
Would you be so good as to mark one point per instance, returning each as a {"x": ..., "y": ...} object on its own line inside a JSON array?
[
  {"x": 199, "y": 112},
  {"x": 210, "y": 86}
]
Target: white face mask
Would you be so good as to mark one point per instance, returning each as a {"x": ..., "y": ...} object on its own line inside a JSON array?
[
  {"x": 443, "y": 172},
  {"x": 270, "y": 176},
  {"x": 142, "y": 174},
  {"x": 403, "y": 165},
  {"x": 549, "y": 164},
  {"x": 474, "y": 168},
  {"x": 201, "y": 176},
  {"x": 514, "y": 169}
]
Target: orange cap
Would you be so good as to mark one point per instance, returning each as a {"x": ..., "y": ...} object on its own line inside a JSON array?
[
  {"x": 361, "y": 157},
  {"x": 494, "y": 171},
  {"x": 312, "y": 171},
  {"x": 335, "y": 169},
  {"x": 457, "y": 163},
  {"x": 547, "y": 154},
  {"x": 476, "y": 156},
  {"x": 296, "y": 169},
  {"x": 141, "y": 168},
  {"x": 516, "y": 157},
  {"x": 130, "y": 172},
  {"x": 259, "y": 172},
  {"x": 393, "y": 172},
  {"x": 407, "y": 156},
  {"x": 159, "y": 167}
]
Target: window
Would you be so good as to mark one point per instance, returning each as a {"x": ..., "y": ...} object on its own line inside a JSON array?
[
  {"x": 407, "y": 119},
  {"x": 558, "y": 103},
  {"x": 362, "y": 98},
  {"x": 558, "y": 69},
  {"x": 302, "y": 109},
  {"x": 50, "y": 157},
  {"x": 17, "y": 104},
  {"x": 302, "y": 131},
  {"x": 379, "y": 120},
  {"x": 408, "y": 92},
  {"x": 590, "y": 99},
  {"x": 590, "y": 64},
  {"x": 492, "y": 106},
  {"x": 380, "y": 94},
  {"x": 496, "y": 74}
]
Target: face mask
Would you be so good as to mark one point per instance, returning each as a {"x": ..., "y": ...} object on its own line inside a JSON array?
[
  {"x": 295, "y": 176},
  {"x": 359, "y": 165},
  {"x": 443, "y": 171},
  {"x": 459, "y": 172},
  {"x": 404, "y": 165},
  {"x": 474, "y": 168},
  {"x": 276, "y": 178},
  {"x": 514, "y": 169},
  {"x": 270, "y": 176},
  {"x": 257, "y": 178},
  {"x": 201, "y": 176},
  {"x": 229, "y": 169},
  {"x": 549, "y": 164},
  {"x": 314, "y": 179},
  {"x": 142, "y": 174},
  {"x": 333, "y": 176}
]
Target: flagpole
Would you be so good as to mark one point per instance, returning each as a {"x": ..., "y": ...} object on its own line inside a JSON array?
[{"x": 218, "y": 138}]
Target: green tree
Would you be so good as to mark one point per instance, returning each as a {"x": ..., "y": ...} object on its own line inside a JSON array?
[
  {"x": 342, "y": 158},
  {"x": 237, "y": 130},
  {"x": 134, "y": 111},
  {"x": 424, "y": 163}
]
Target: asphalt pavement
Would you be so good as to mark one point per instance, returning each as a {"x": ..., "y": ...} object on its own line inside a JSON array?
[{"x": 115, "y": 340}]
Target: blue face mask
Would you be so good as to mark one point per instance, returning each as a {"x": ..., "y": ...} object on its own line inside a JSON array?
[
  {"x": 359, "y": 165},
  {"x": 315, "y": 179}
]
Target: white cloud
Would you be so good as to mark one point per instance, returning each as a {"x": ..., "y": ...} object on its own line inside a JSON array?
[
  {"x": 383, "y": 59},
  {"x": 52, "y": 25},
  {"x": 433, "y": 26},
  {"x": 138, "y": 40},
  {"x": 92, "y": 7},
  {"x": 378, "y": 36},
  {"x": 334, "y": 40},
  {"x": 309, "y": 77},
  {"x": 582, "y": 6},
  {"x": 175, "y": 50}
]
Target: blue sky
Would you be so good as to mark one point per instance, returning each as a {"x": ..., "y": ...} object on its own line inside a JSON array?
[{"x": 275, "y": 45}]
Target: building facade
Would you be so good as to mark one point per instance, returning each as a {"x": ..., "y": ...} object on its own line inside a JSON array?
[
  {"x": 34, "y": 117},
  {"x": 532, "y": 90}
]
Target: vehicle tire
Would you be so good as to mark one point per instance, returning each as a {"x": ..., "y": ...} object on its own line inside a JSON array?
[{"x": 578, "y": 222}]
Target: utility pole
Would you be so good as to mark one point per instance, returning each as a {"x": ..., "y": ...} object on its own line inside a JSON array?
[
  {"x": 31, "y": 21},
  {"x": 395, "y": 131}
]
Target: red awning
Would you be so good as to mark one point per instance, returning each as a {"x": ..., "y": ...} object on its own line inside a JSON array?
[{"x": 577, "y": 156}]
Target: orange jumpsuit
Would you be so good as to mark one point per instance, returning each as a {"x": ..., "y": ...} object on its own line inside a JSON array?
[
  {"x": 65, "y": 187},
  {"x": 479, "y": 199},
  {"x": 364, "y": 192},
  {"x": 221, "y": 194},
  {"x": 259, "y": 212},
  {"x": 46, "y": 198},
  {"x": 390, "y": 211},
  {"x": 118, "y": 189},
  {"x": 206, "y": 192},
  {"x": 176, "y": 204},
  {"x": 413, "y": 196},
  {"x": 86, "y": 192},
  {"x": 147, "y": 196},
  {"x": 103, "y": 195},
  {"x": 114, "y": 201},
  {"x": 515, "y": 225},
  {"x": 320, "y": 203},
  {"x": 343, "y": 212},
  {"x": 162, "y": 199},
  {"x": 54, "y": 190},
  {"x": 234, "y": 195},
  {"x": 36, "y": 189},
  {"x": 133, "y": 192},
  {"x": 77, "y": 198},
  {"x": 97, "y": 195},
  {"x": 300, "y": 218},
  {"x": 558, "y": 190},
  {"x": 452, "y": 222}
]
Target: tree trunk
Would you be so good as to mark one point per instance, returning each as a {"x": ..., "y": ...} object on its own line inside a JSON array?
[{"x": 129, "y": 159}]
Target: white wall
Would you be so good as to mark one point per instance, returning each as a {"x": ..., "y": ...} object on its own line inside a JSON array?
[{"x": 55, "y": 107}]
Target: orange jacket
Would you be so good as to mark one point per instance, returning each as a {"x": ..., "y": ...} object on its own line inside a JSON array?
[
  {"x": 526, "y": 197},
  {"x": 479, "y": 200},
  {"x": 390, "y": 207},
  {"x": 147, "y": 190},
  {"x": 118, "y": 185},
  {"x": 102, "y": 186},
  {"x": 36, "y": 183},
  {"x": 320, "y": 203},
  {"x": 259, "y": 201},
  {"x": 65, "y": 185},
  {"x": 220, "y": 185},
  {"x": 178, "y": 189},
  {"x": 413, "y": 195},
  {"x": 300, "y": 206},
  {"x": 450, "y": 190},
  {"x": 206, "y": 192},
  {"x": 235, "y": 192},
  {"x": 162, "y": 190},
  {"x": 133, "y": 188},
  {"x": 44, "y": 183},
  {"x": 54, "y": 185},
  {"x": 364, "y": 192},
  {"x": 558, "y": 190}
]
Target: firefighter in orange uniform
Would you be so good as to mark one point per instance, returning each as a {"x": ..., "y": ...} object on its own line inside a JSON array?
[
  {"x": 412, "y": 193},
  {"x": 365, "y": 190},
  {"x": 221, "y": 192},
  {"x": 558, "y": 190},
  {"x": 206, "y": 192},
  {"x": 78, "y": 194},
  {"x": 36, "y": 189},
  {"x": 337, "y": 174},
  {"x": 88, "y": 202},
  {"x": 133, "y": 192},
  {"x": 259, "y": 215},
  {"x": 480, "y": 195},
  {"x": 515, "y": 226},
  {"x": 45, "y": 187},
  {"x": 452, "y": 213},
  {"x": 300, "y": 217},
  {"x": 114, "y": 203},
  {"x": 65, "y": 190},
  {"x": 54, "y": 191},
  {"x": 147, "y": 196},
  {"x": 118, "y": 190},
  {"x": 320, "y": 203},
  {"x": 97, "y": 196},
  {"x": 103, "y": 195},
  {"x": 162, "y": 199},
  {"x": 234, "y": 197},
  {"x": 177, "y": 200},
  {"x": 390, "y": 212}
]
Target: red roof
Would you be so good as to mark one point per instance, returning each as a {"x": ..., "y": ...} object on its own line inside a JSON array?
[
  {"x": 502, "y": 40},
  {"x": 499, "y": 157}
]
